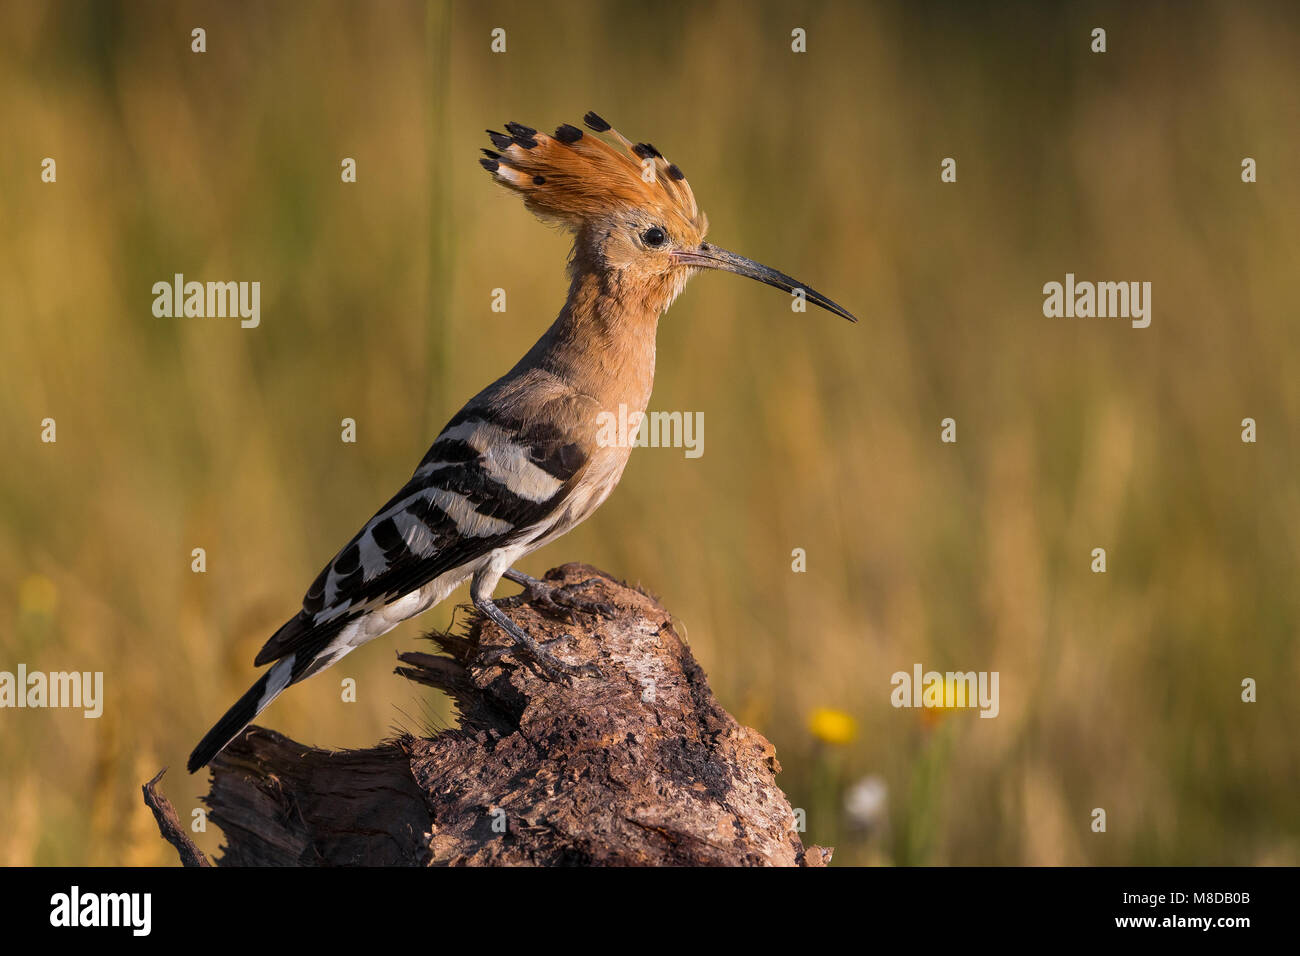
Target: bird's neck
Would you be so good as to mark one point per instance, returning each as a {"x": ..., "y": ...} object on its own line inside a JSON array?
[{"x": 603, "y": 342}]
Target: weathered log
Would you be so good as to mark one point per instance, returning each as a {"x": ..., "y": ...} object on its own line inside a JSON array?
[{"x": 639, "y": 766}]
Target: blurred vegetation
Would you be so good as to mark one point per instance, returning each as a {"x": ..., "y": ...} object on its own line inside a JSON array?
[{"x": 1118, "y": 690}]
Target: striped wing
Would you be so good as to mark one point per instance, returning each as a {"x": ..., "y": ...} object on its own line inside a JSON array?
[{"x": 483, "y": 482}]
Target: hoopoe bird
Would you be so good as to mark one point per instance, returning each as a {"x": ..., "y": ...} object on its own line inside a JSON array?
[{"x": 520, "y": 464}]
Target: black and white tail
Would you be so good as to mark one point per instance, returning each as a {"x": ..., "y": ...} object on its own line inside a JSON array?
[{"x": 255, "y": 700}]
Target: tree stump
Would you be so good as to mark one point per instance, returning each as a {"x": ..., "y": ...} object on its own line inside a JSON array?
[{"x": 640, "y": 766}]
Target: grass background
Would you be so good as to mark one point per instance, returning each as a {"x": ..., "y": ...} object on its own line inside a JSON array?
[{"x": 1118, "y": 690}]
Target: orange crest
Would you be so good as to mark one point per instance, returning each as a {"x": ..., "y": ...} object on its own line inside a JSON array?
[{"x": 571, "y": 177}]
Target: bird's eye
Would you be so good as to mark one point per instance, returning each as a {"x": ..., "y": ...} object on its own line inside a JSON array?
[{"x": 654, "y": 237}]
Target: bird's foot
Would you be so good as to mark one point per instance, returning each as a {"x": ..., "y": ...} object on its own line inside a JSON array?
[
  {"x": 539, "y": 652},
  {"x": 559, "y": 600},
  {"x": 551, "y": 666}
]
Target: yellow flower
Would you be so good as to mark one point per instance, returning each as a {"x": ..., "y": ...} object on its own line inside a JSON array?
[
  {"x": 832, "y": 726},
  {"x": 951, "y": 690},
  {"x": 960, "y": 694}
]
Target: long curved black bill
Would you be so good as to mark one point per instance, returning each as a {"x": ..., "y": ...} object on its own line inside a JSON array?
[{"x": 709, "y": 256}]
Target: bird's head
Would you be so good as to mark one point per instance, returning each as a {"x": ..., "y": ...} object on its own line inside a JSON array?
[{"x": 632, "y": 212}]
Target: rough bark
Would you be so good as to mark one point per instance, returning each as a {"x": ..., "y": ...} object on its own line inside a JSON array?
[
  {"x": 640, "y": 766},
  {"x": 170, "y": 825}
]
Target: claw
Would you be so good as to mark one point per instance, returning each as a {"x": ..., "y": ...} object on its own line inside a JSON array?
[
  {"x": 548, "y": 663},
  {"x": 565, "y": 602}
]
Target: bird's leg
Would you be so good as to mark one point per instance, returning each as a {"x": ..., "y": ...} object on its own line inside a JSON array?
[
  {"x": 552, "y": 665},
  {"x": 557, "y": 598}
]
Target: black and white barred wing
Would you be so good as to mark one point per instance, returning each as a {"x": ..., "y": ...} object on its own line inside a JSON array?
[
  {"x": 482, "y": 485},
  {"x": 485, "y": 484}
]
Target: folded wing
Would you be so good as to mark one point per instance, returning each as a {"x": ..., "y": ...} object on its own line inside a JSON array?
[{"x": 485, "y": 482}]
